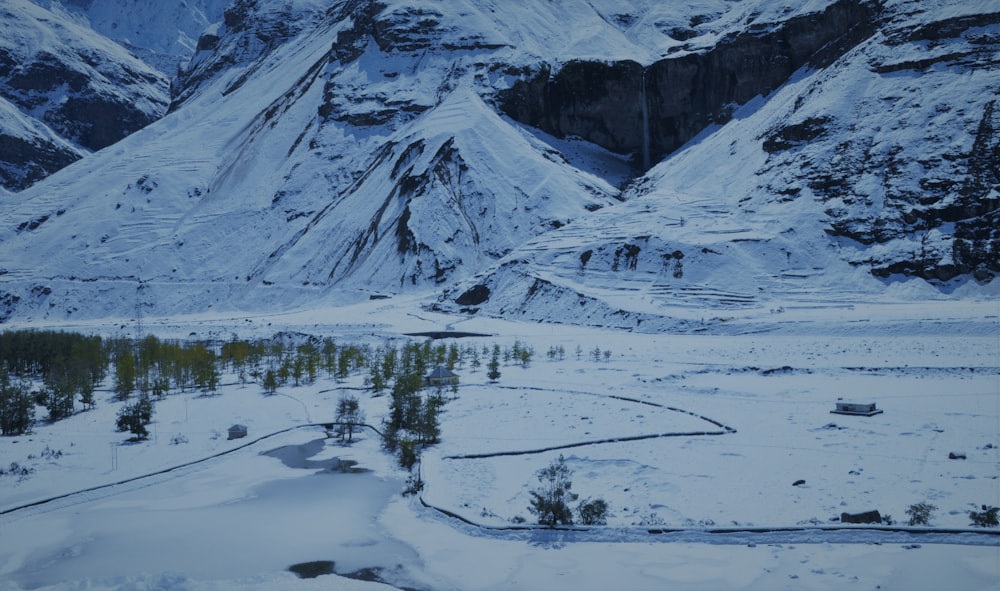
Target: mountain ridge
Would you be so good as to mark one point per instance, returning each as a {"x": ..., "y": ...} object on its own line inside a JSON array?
[{"x": 364, "y": 149}]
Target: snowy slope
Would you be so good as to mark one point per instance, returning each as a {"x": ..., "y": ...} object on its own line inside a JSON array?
[
  {"x": 163, "y": 34},
  {"x": 324, "y": 152},
  {"x": 839, "y": 186},
  {"x": 637, "y": 426}
]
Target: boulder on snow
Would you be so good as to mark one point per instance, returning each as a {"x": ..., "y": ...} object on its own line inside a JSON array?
[
  {"x": 866, "y": 517},
  {"x": 957, "y": 455}
]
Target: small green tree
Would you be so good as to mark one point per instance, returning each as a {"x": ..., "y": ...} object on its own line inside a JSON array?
[
  {"x": 377, "y": 377},
  {"x": 344, "y": 364},
  {"x": 17, "y": 407},
  {"x": 87, "y": 395},
  {"x": 595, "y": 354},
  {"x": 409, "y": 453},
  {"x": 428, "y": 427},
  {"x": 592, "y": 512},
  {"x": 61, "y": 383},
  {"x": 59, "y": 401},
  {"x": 298, "y": 369},
  {"x": 134, "y": 417},
  {"x": 454, "y": 356},
  {"x": 920, "y": 513},
  {"x": 985, "y": 518},
  {"x": 550, "y": 502},
  {"x": 493, "y": 367},
  {"x": 349, "y": 417},
  {"x": 389, "y": 362},
  {"x": 285, "y": 370},
  {"x": 125, "y": 375},
  {"x": 413, "y": 420},
  {"x": 270, "y": 383}
]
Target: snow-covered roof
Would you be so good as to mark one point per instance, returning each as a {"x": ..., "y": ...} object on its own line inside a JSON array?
[{"x": 442, "y": 372}]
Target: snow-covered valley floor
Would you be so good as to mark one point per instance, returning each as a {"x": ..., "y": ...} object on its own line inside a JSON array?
[{"x": 738, "y": 419}]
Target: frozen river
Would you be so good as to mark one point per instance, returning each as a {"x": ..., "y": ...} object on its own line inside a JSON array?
[
  {"x": 240, "y": 521},
  {"x": 248, "y": 514}
]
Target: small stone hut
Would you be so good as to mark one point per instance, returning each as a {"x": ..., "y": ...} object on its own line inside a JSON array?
[
  {"x": 866, "y": 409},
  {"x": 237, "y": 431},
  {"x": 441, "y": 376}
]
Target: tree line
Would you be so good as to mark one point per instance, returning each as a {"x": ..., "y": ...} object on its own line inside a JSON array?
[
  {"x": 61, "y": 371},
  {"x": 47, "y": 368}
]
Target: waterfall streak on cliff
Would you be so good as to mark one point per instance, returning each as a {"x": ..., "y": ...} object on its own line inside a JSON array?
[{"x": 645, "y": 122}]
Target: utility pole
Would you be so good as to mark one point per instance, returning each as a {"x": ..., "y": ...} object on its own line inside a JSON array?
[{"x": 138, "y": 312}]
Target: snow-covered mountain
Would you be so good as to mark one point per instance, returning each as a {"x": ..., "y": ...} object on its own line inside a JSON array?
[
  {"x": 627, "y": 163},
  {"x": 846, "y": 182},
  {"x": 164, "y": 34},
  {"x": 65, "y": 91}
]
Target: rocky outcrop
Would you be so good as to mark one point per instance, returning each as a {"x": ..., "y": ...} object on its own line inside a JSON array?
[
  {"x": 74, "y": 104},
  {"x": 249, "y": 31},
  {"x": 923, "y": 213},
  {"x": 77, "y": 87},
  {"x": 651, "y": 111},
  {"x": 27, "y": 160},
  {"x": 946, "y": 204}
]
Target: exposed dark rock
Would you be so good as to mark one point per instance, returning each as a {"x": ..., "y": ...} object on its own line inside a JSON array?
[
  {"x": 207, "y": 42},
  {"x": 251, "y": 31},
  {"x": 413, "y": 29},
  {"x": 408, "y": 29},
  {"x": 596, "y": 101},
  {"x": 944, "y": 29},
  {"x": 311, "y": 570},
  {"x": 351, "y": 41},
  {"x": 238, "y": 15},
  {"x": 795, "y": 134},
  {"x": 405, "y": 240},
  {"x": 631, "y": 254},
  {"x": 99, "y": 120},
  {"x": 866, "y": 517},
  {"x": 23, "y": 163},
  {"x": 605, "y": 102},
  {"x": 969, "y": 199},
  {"x": 84, "y": 113},
  {"x": 474, "y": 296},
  {"x": 85, "y": 93}
]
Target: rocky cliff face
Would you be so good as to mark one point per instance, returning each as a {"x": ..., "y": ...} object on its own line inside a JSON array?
[
  {"x": 941, "y": 207},
  {"x": 71, "y": 84},
  {"x": 885, "y": 142},
  {"x": 650, "y": 111},
  {"x": 925, "y": 212},
  {"x": 27, "y": 155},
  {"x": 249, "y": 31}
]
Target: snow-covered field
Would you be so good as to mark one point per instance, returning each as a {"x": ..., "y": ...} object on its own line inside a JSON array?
[{"x": 737, "y": 419}]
